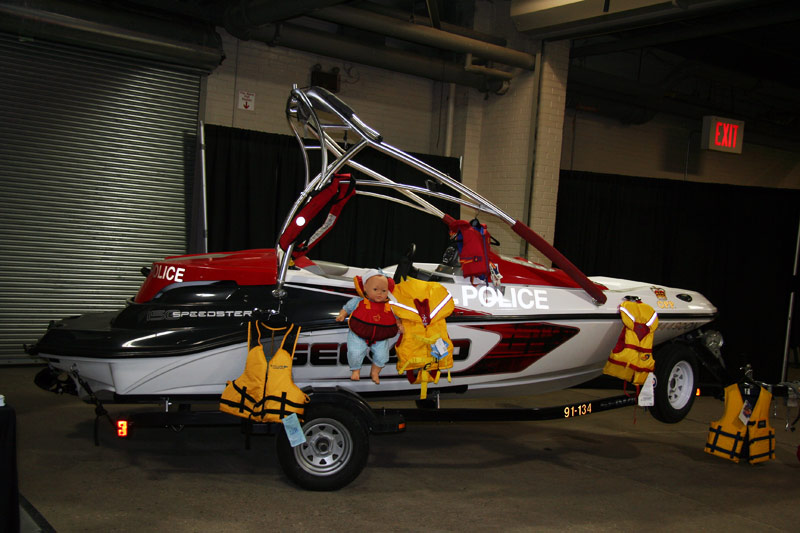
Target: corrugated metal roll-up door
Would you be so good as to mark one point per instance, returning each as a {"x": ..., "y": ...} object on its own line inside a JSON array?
[{"x": 95, "y": 153}]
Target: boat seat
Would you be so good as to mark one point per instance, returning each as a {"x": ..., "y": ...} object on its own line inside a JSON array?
[{"x": 325, "y": 269}]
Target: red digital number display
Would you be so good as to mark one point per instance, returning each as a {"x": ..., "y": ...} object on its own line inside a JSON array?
[{"x": 122, "y": 428}]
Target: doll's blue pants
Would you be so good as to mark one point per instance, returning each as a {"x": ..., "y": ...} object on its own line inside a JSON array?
[{"x": 357, "y": 349}]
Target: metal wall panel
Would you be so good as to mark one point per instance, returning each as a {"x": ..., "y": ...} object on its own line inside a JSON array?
[{"x": 96, "y": 150}]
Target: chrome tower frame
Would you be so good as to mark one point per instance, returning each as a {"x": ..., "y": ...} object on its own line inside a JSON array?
[{"x": 303, "y": 110}]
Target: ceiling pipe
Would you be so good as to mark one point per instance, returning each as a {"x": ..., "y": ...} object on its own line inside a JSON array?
[
  {"x": 244, "y": 15},
  {"x": 469, "y": 66},
  {"x": 257, "y": 12},
  {"x": 316, "y": 42},
  {"x": 433, "y": 14},
  {"x": 82, "y": 24},
  {"x": 357, "y": 18},
  {"x": 422, "y": 21}
]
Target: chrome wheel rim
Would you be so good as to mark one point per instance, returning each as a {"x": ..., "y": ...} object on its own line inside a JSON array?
[
  {"x": 327, "y": 449},
  {"x": 680, "y": 385}
]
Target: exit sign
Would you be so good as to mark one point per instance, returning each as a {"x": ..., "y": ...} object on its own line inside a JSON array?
[{"x": 722, "y": 134}]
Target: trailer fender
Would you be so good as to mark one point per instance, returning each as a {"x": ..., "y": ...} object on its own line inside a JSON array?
[{"x": 373, "y": 421}]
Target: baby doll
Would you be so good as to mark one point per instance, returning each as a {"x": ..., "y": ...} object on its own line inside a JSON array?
[{"x": 372, "y": 323}]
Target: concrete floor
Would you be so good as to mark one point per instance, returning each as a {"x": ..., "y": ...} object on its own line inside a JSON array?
[{"x": 618, "y": 470}]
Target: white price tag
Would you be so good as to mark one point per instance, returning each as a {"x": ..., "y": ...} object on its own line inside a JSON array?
[
  {"x": 647, "y": 392},
  {"x": 293, "y": 430},
  {"x": 744, "y": 414}
]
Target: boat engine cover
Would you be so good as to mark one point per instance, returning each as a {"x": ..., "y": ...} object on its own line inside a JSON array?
[{"x": 246, "y": 267}]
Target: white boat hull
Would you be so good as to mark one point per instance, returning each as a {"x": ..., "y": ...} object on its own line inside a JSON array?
[{"x": 488, "y": 318}]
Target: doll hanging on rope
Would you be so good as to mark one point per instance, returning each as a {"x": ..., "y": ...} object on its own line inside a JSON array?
[{"x": 372, "y": 324}]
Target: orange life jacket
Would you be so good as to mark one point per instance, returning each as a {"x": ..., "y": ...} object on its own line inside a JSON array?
[
  {"x": 730, "y": 438},
  {"x": 265, "y": 391},
  {"x": 632, "y": 357}
]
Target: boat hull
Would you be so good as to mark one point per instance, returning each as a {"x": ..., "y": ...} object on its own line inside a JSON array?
[{"x": 522, "y": 339}]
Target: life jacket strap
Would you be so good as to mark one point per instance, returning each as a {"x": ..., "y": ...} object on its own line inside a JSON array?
[
  {"x": 713, "y": 446},
  {"x": 260, "y": 409},
  {"x": 629, "y": 365},
  {"x": 635, "y": 348},
  {"x": 241, "y": 406}
]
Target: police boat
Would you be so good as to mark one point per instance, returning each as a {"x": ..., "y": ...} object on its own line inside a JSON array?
[{"x": 517, "y": 327}]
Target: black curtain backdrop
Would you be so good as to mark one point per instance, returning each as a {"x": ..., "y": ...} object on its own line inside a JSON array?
[
  {"x": 735, "y": 245},
  {"x": 253, "y": 178}
]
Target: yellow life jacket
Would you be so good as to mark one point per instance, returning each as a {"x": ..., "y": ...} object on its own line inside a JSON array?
[
  {"x": 265, "y": 391},
  {"x": 632, "y": 357},
  {"x": 425, "y": 347},
  {"x": 728, "y": 437}
]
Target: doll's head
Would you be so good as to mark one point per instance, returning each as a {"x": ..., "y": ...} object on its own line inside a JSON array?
[{"x": 374, "y": 286}]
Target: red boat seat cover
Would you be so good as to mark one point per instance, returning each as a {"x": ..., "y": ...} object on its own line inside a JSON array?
[{"x": 318, "y": 216}]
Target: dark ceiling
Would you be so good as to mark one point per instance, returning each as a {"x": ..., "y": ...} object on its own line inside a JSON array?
[
  {"x": 736, "y": 58},
  {"x": 764, "y": 52},
  {"x": 758, "y": 39},
  {"x": 739, "y": 61}
]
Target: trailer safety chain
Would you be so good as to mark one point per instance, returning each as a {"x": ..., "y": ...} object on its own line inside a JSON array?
[
  {"x": 99, "y": 409},
  {"x": 792, "y": 396}
]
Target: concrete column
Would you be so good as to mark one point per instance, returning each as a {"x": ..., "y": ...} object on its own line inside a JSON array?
[{"x": 547, "y": 151}]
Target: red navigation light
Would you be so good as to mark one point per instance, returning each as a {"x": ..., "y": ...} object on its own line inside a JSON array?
[{"x": 122, "y": 428}]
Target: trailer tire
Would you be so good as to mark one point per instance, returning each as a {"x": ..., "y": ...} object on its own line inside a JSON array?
[
  {"x": 676, "y": 380},
  {"x": 335, "y": 451}
]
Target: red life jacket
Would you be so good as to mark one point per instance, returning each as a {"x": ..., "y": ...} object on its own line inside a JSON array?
[
  {"x": 373, "y": 321},
  {"x": 473, "y": 248}
]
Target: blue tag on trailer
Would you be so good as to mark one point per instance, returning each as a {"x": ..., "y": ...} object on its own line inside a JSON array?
[{"x": 293, "y": 430}]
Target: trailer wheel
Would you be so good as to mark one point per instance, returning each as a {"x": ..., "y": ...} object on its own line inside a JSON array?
[
  {"x": 335, "y": 451},
  {"x": 676, "y": 378}
]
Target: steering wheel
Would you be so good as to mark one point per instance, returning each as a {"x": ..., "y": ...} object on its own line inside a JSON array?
[
  {"x": 405, "y": 266},
  {"x": 450, "y": 255}
]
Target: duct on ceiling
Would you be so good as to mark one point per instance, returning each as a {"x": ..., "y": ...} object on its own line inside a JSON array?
[
  {"x": 259, "y": 20},
  {"x": 180, "y": 41},
  {"x": 349, "y": 16},
  {"x": 239, "y": 18},
  {"x": 315, "y": 42},
  {"x": 184, "y": 34},
  {"x": 422, "y": 21}
]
